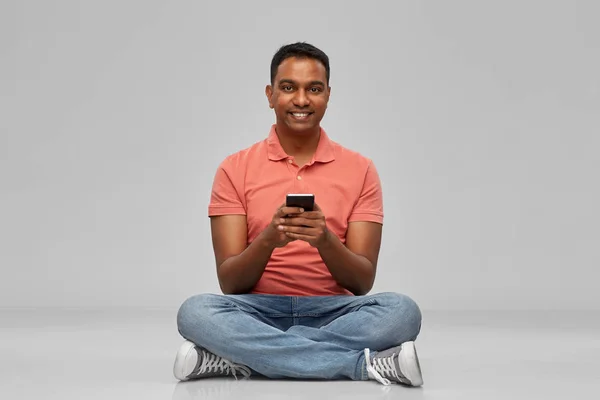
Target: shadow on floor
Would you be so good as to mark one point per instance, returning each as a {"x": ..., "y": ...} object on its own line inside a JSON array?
[{"x": 265, "y": 389}]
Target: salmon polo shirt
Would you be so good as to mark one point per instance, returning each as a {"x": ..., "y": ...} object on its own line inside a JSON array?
[{"x": 254, "y": 182}]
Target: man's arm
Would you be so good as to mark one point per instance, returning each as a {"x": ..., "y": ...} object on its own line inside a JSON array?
[
  {"x": 239, "y": 267},
  {"x": 353, "y": 266}
]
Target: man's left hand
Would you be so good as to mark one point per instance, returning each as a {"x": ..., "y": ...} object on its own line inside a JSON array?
[{"x": 309, "y": 226}]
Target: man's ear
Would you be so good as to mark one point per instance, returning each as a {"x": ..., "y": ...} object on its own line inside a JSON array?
[
  {"x": 269, "y": 93},
  {"x": 328, "y": 95}
]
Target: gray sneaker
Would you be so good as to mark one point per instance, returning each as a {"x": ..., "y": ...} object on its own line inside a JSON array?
[
  {"x": 399, "y": 364},
  {"x": 193, "y": 362}
]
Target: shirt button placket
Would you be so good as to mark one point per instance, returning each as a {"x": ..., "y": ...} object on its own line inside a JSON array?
[{"x": 300, "y": 179}]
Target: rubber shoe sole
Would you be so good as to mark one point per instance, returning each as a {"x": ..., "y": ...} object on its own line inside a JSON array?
[
  {"x": 185, "y": 361},
  {"x": 409, "y": 364}
]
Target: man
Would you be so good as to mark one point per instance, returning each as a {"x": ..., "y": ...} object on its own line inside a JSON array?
[{"x": 295, "y": 282}]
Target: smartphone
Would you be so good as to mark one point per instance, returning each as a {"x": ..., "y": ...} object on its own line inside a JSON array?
[{"x": 304, "y": 200}]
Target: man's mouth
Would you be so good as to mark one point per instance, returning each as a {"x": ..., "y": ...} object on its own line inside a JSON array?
[{"x": 301, "y": 115}]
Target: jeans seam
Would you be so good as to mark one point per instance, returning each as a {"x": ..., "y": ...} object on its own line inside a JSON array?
[
  {"x": 367, "y": 302},
  {"x": 256, "y": 312},
  {"x": 363, "y": 368}
]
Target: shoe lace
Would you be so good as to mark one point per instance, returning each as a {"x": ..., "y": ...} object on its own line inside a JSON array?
[
  {"x": 213, "y": 363},
  {"x": 382, "y": 368}
]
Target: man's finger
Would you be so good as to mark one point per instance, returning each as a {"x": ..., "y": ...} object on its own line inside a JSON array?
[
  {"x": 312, "y": 214},
  {"x": 299, "y": 236},
  {"x": 298, "y": 221},
  {"x": 305, "y": 230},
  {"x": 283, "y": 211}
]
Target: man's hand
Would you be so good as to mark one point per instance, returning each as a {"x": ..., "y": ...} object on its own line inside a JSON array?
[
  {"x": 309, "y": 226},
  {"x": 275, "y": 237}
]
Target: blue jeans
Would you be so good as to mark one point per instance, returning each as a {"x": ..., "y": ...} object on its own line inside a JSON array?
[{"x": 321, "y": 337}]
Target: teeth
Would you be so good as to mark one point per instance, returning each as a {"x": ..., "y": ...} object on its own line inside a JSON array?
[{"x": 300, "y": 114}]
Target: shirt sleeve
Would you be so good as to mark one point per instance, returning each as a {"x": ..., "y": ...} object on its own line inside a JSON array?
[
  {"x": 225, "y": 196},
  {"x": 369, "y": 206}
]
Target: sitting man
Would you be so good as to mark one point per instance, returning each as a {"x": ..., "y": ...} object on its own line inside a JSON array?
[{"x": 295, "y": 281}]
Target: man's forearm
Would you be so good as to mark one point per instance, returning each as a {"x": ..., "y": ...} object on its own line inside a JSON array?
[
  {"x": 352, "y": 271},
  {"x": 239, "y": 274}
]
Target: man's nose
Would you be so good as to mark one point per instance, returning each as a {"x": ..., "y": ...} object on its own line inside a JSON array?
[{"x": 301, "y": 99}]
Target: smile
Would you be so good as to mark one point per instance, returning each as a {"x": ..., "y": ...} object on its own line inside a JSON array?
[{"x": 302, "y": 115}]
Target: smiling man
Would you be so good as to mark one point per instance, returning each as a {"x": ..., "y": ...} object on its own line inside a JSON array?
[{"x": 295, "y": 282}]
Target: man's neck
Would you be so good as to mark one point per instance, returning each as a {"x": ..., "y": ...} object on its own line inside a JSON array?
[{"x": 299, "y": 145}]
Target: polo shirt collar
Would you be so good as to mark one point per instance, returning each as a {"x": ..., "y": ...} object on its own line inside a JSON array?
[{"x": 323, "y": 154}]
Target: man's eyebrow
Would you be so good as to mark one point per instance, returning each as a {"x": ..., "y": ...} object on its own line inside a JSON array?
[{"x": 282, "y": 81}]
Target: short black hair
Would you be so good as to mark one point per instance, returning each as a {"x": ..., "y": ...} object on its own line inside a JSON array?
[{"x": 299, "y": 50}]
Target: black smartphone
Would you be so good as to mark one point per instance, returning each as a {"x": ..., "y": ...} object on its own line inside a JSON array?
[{"x": 304, "y": 200}]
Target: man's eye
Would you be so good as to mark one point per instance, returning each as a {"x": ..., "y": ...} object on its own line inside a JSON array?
[
  {"x": 287, "y": 88},
  {"x": 315, "y": 89}
]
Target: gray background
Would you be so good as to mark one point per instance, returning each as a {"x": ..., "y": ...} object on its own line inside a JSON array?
[{"x": 482, "y": 118}]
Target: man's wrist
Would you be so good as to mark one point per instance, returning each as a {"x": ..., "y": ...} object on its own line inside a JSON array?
[
  {"x": 263, "y": 241},
  {"x": 329, "y": 242}
]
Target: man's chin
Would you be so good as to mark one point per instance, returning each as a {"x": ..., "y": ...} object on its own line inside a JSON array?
[{"x": 302, "y": 128}]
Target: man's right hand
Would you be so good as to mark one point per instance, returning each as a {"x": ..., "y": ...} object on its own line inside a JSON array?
[{"x": 272, "y": 235}]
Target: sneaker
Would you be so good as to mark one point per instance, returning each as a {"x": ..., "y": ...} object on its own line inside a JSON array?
[
  {"x": 193, "y": 362},
  {"x": 399, "y": 364}
]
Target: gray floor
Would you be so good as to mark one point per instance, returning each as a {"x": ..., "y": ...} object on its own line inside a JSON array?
[{"x": 128, "y": 354}]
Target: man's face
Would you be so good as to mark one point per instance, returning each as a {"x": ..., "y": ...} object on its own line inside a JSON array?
[{"x": 299, "y": 94}]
